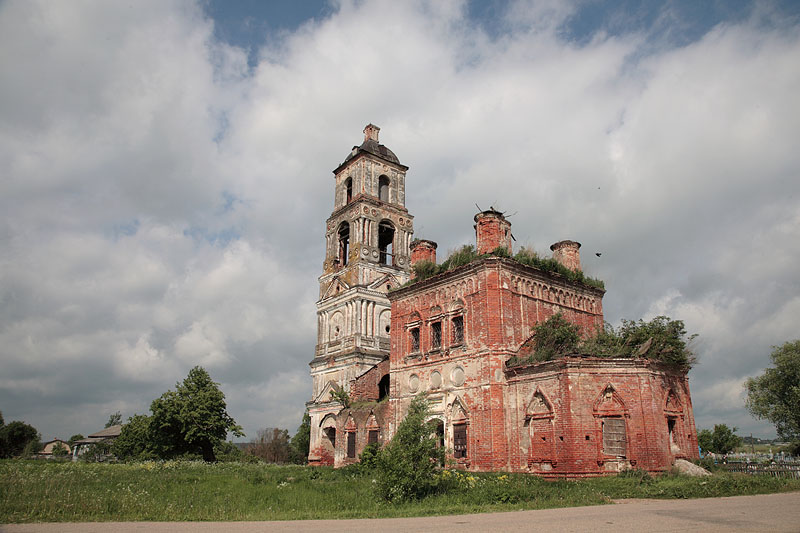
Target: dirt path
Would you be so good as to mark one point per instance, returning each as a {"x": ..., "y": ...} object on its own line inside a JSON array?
[{"x": 771, "y": 512}]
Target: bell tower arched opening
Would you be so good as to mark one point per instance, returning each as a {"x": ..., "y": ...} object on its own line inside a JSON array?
[
  {"x": 385, "y": 242},
  {"x": 344, "y": 243}
]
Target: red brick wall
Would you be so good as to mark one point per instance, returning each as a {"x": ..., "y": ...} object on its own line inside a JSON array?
[
  {"x": 500, "y": 302},
  {"x": 365, "y": 386}
]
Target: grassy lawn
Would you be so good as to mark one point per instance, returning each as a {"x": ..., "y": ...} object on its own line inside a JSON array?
[{"x": 36, "y": 491}]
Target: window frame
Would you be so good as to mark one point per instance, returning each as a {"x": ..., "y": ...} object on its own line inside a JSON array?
[{"x": 436, "y": 335}]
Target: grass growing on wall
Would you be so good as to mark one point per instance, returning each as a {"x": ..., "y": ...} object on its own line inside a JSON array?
[
  {"x": 37, "y": 491},
  {"x": 467, "y": 254}
]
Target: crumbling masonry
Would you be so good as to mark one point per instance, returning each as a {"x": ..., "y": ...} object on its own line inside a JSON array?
[{"x": 451, "y": 335}]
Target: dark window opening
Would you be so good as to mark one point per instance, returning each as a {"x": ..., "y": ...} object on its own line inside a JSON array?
[
  {"x": 331, "y": 434},
  {"x": 383, "y": 387},
  {"x": 349, "y": 186},
  {"x": 440, "y": 434},
  {"x": 436, "y": 335},
  {"x": 458, "y": 330},
  {"x": 351, "y": 444},
  {"x": 673, "y": 441},
  {"x": 372, "y": 436},
  {"x": 414, "y": 339},
  {"x": 388, "y": 328},
  {"x": 344, "y": 242},
  {"x": 614, "y": 440},
  {"x": 383, "y": 189},
  {"x": 385, "y": 242},
  {"x": 460, "y": 441}
]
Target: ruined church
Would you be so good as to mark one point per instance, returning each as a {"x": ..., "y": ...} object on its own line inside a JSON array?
[{"x": 382, "y": 340}]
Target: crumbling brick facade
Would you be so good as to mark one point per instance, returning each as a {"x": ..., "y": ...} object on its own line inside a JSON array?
[{"x": 451, "y": 336}]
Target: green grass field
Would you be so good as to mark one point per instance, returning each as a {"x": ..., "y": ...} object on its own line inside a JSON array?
[{"x": 43, "y": 491}]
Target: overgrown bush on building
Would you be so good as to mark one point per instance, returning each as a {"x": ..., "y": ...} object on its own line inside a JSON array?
[
  {"x": 407, "y": 468},
  {"x": 424, "y": 269},
  {"x": 661, "y": 339},
  {"x": 555, "y": 337}
]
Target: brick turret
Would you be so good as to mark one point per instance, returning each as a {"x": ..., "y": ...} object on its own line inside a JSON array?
[
  {"x": 423, "y": 250},
  {"x": 568, "y": 254},
  {"x": 492, "y": 230},
  {"x": 371, "y": 133}
]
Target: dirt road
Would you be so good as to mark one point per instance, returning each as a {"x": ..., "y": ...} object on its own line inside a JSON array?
[{"x": 772, "y": 512}]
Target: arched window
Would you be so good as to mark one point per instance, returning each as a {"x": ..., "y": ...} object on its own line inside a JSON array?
[
  {"x": 344, "y": 243},
  {"x": 348, "y": 184},
  {"x": 385, "y": 240},
  {"x": 383, "y": 189}
]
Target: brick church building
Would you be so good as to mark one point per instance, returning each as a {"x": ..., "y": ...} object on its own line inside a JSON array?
[{"x": 384, "y": 340}]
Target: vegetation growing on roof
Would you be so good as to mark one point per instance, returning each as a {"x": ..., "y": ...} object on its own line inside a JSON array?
[
  {"x": 661, "y": 339},
  {"x": 528, "y": 257},
  {"x": 525, "y": 256}
]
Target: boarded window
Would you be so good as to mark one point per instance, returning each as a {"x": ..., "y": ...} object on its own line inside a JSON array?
[
  {"x": 414, "y": 339},
  {"x": 436, "y": 335},
  {"x": 351, "y": 444},
  {"x": 614, "y": 441},
  {"x": 458, "y": 330},
  {"x": 372, "y": 436},
  {"x": 460, "y": 441},
  {"x": 542, "y": 439}
]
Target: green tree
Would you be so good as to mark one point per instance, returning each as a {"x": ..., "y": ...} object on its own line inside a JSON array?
[
  {"x": 301, "y": 442},
  {"x": 722, "y": 440},
  {"x": 192, "y": 418},
  {"x": 19, "y": 438},
  {"x": 407, "y": 466},
  {"x": 73, "y": 439},
  {"x": 114, "y": 420},
  {"x": 775, "y": 395},
  {"x": 59, "y": 450},
  {"x": 135, "y": 441},
  {"x": 272, "y": 445}
]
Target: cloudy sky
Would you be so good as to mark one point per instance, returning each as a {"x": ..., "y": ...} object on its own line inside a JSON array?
[{"x": 166, "y": 175}]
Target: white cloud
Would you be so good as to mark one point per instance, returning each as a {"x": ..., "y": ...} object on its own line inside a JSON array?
[{"x": 163, "y": 207}]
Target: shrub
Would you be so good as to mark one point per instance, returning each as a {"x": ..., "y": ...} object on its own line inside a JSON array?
[
  {"x": 554, "y": 337},
  {"x": 661, "y": 339},
  {"x": 407, "y": 467},
  {"x": 424, "y": 269},
  {"x": 368, "y": 460},
  {"x": 463, "y": 256}
]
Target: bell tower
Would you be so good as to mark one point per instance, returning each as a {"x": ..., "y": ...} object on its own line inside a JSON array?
[{"x": 367, "y": 253}]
